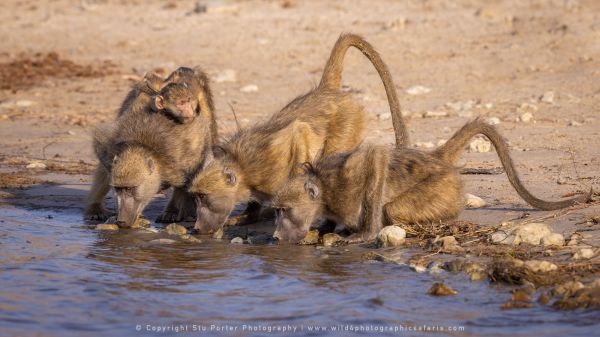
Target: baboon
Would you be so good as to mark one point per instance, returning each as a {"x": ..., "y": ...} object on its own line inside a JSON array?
[
  {"x": 141, "y": 94},
  {"x": 374, "y": 187},
  {"x": 148, "y": 151},
  {"x": 255, "y": 162}
]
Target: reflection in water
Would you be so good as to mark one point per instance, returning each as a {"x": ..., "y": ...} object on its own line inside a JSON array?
[{"x": 61, "y": 278}]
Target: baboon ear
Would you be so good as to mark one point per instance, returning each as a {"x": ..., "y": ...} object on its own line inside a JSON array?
[
  {"x": 150, "y": 164},
  {"x": 218, "y": 151},
  {"x": 312, "y": 189},
  {"x": 159, "y": 102},
  {"x": 306, "y": 167},
  {"x": 230, "y": 176}
]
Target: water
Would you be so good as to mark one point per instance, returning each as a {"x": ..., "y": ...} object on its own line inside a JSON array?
[{"x": 60, "y": 278}]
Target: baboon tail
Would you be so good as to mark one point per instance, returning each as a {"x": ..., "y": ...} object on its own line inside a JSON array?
[
  {"x": 453, "y": 148},
  {"x": 332, "y": 77}
]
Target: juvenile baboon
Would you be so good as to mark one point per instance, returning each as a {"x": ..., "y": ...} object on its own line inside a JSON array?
[
  {"x": 255, "y": 162},
  {"x": 146, "y": 152},
  {"x": 141, "y": 94},
  {"x": 374, "y": 187}
]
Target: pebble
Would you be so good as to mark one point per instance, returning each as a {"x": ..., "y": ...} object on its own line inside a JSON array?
[
  {"x": 448, "y": 242},
  {"x": 475, "y": 271},
  {"x": 424, "y": 145},
  {"x": 36, "y": 165},
  {"x": 574, "y": 123},
  {"x": 567, "y": 288},
  {"x": 584, "y": 253},
  {"x": 23, "y": 103},
  {"x": 237, "y": 240},
  {"x": 175, "y": 229},
  {"x": 384, "y": 116},
  {"x": 532, "y": 233},
  {"x": 190, "y": 238},
  {"x": 440, "y": 289},
  {"x": 227, "y": 75},
  {"x": 249, "y": 88},
  {"x": 417, "y": 268},
  {"x": 107, "y": 227},
  {"x": 493, "y": 120},
  {"x": 526, "y": 117},
  {"x": 331, "y": 239},
  {"x": 435, "y": 114},
  {"x": 480, "y": 145},
  {"x": 163, "y": 241},
  {"x": 539, "y": 266},
  {"x": 554, "y": 239},
  {"x": 473, "y": 201},
  {"x": 501, "y": 237},
  {"x": 417, "y": 90},
  {"x": 547, "y": 97},
  {"x": 435, "y": 267},
  {"x": 454, "y": 266},
  {"x": 311, "y": 238},
  {"x": 574, "y": 239},
  {"x": 391, "y": 236}
]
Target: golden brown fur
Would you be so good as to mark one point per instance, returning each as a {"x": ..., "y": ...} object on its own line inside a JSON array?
[
  {"x": 255, "y": 162},
  {"x": 374, "y": 186}
]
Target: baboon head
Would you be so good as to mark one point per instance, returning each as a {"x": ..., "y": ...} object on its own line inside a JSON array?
[
  {"x": 218, "y": 189},
  {"x": 136, "y": 179},
  {"x": 298, "y": 205},
  {"x": 179, "y": 101},
  {"x": 152, "y": 82}
]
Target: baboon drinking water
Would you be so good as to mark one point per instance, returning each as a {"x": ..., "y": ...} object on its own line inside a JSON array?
[
  {"x": 374, "y": 187},
  {"x": 255, "y": 162}
]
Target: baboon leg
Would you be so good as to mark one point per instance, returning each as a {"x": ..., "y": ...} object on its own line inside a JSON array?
[
  {"x": 176, "y": 207},
  {"x": 437, "y": 198},
  {"x": 371, "y": 217},
  {"x": 187, "y": 211},
  {"x": 94, "y": 209}
]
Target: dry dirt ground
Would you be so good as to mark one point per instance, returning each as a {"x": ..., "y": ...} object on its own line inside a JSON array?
[{"x": 65, "y": 66}]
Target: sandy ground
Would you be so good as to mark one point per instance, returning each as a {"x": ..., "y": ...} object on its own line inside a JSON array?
[{"x": 498, "y": 60}]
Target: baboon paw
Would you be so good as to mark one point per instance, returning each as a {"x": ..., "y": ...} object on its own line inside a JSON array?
[
  {"x": 351, "y": 240},
  {"x": 98, "y": 214}
]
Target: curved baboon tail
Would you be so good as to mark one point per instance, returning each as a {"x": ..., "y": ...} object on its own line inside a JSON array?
[
  {"x": 453, "y": 148},
  {"x": 332, "y": 78}
]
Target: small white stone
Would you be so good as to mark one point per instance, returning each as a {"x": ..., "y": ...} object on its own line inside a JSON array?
[
  {"x": 384, "y": 116},
  {"x": 424, "y": 145},
  {"x": 36, "y": 165},
  {"x": 553, "y": 239},
  {"x": 227, "y": 75},
  {"x": 488, "y": 106},
  {"x": 249, "y": 88},
  {"x": 435, "y": 114},
  {"x": 417, "y": 268},
  {"x": 584, "y": 253},
  {"x": 493, "y": 120},
  {"x": 501, "y": 237},
  {"x": 418, "y": 90},
  {"x": 532, "y": 233},
  {"x": 526, "y": 117},
  {"x": 448, "y": 242},
  {"x": 391, "y": 236},
  {"x": 237, "y": 240},
  {"x": 480, "y": 145},
  {"x": 473, "y": 201},
  {"x": 538, "y": 266},
  {"x": 547, "y": 97},
  {"x": 574, "y": 123},
  {"x": 24, "y": 103}
]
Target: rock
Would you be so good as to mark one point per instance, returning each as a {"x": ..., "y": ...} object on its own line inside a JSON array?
[
  {"x": 396, "y": 24},
  {"x": 544, "y": 299},
  {"x": 391, "y": 236},
  {"x": 175, "y": 229},
  {"x": 107, "y": 227},
  {"x": 23, "y": 103},
  {"x": 554, "y": 239},
  {"x": 190, "y": 238},
  {"x": 417, "y": 90},
  {"x": 567, "y": 288},
  {"x": 473, "y": 201},
  {"x": 539, "y": 266},
  {"x": 140, "y": 222},
  {"x": 417, "y": 268},
  {"x": 516, "y": 305},
  {"x": 435, "y": 114},
  {"x": 454, "y": 266},
  {"x": 520, "y": 296},
  {"x": 461, "y": 106},
  {"x": 480, "y": 145},
  {"x": 435, "y": 267},
  {"x": 225, "y": 9},
  {"x": 226, "y": 75},
  {"x": 526, "y": 117},
  {"x": 249, "y": 88},
  {"x": 488, "y": 106},
  {"x": 575, "y": 239},
  {"x": 493, "y": 120},
  {"x": 475, "y": 271},
  {"x": 531, "y": 233},
  {"x": 163, "y": 241},
  {"x": 36, "y": 164},
  {"x": 237, "y": 240},
  {"x": 384, "y": 116},
  {"x": 424, "y": 145},
  {"x": 330, "y": 239},
  {"x": 230, "y": 232},
  {"x": 595, "y": 284},
  {"x": 260, "y": 239},
  {"x": 373, "y": 256},
  {"x": 574, "y": 123},
  {"x": 448, "y": 242},
  {"x": 440, "y": 289},
  {"x": 547, "y": 97},
  {"x": 311, "y": 238},
  {"x": 584, "y": 253}
]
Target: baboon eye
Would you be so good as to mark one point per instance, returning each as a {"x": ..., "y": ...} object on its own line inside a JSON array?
[
  {"x": 127, "y": 190},
  {"x": 202, "y": 196}
]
